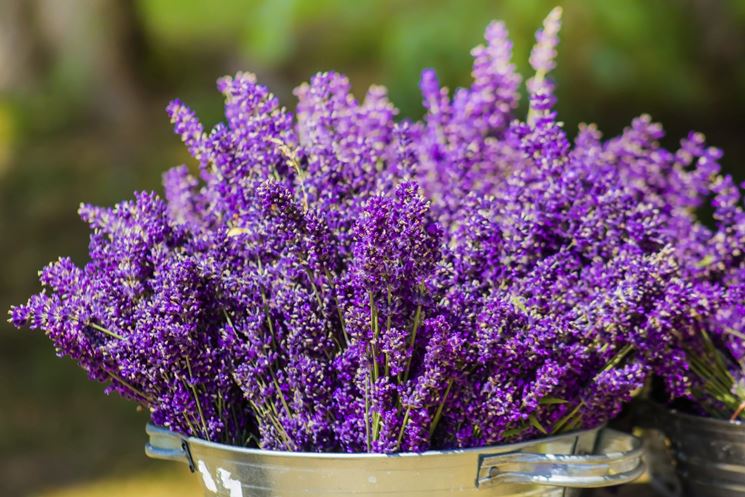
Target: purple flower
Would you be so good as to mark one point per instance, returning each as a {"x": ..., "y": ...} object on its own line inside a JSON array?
[
  {"x": 394, "y": 240},
  {"x": 460, "y": 147},
  {"x": 338, "y": 281}
]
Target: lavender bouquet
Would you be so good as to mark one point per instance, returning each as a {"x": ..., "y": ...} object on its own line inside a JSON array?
[
  {"x": 340, "y": 280},
  {"x": 690, "y": 186}
]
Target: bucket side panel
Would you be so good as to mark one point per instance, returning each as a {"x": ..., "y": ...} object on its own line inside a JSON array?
[
  {"x": 709, "y": 455},
  {"x": 236, "y": 474}
]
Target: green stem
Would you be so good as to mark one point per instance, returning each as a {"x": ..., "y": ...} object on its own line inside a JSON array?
[
  {"x": 269, "y": 411},
  {"x": 403, "y": 427},
  {"x": 135, "y": 390},
  {"x": 265, "y": 414},
  {"x": 196, "y": 399},
  {"x": 438, "y": 414},
  {"x": 563, "y": 421},
  {"x": 338, "y": 308},
  {"x": 367, "y": 418},
  {"x": 280, "y": 393},
  {"x": 189, "y": 424},
  {"x": 412, "y": 340},
  {"x": 230, "y": 322},
  {"x": 389, "y": 299},
  {"x": 620, "y": 355},
  {"x": 375, "y": 331},
  {"x": 375, "y": 327},
  {"x": 104, "y": 330}
]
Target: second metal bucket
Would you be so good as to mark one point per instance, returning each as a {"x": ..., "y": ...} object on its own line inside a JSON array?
[
  {"x": 550, "y": 467},
  {"x": 708, "y": 454}
]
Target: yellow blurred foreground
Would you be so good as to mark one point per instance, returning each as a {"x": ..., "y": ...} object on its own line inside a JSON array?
[
  {"x": 174, "y": 482},
  {"x": 178, "y": 482}
]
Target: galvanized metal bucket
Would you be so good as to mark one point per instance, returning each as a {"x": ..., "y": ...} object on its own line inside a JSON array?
[
  {"x": 708, "y": 454},
  {"x": 551, "y": 467}
]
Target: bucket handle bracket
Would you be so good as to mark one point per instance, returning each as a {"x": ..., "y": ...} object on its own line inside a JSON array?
[
  {"x": 169, "y": 446},
  {"x": 617, "y": 459}
]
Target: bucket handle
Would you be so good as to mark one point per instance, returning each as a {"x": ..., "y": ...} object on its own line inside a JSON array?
[
  {"x": 617, "y": 459},
  {"x": 167, "y": 445}
]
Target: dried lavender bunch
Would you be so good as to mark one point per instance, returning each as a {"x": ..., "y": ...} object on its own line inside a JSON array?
[
  {"x": 340, "y": 281},
  {"x": 559, "y": 280},
  {"x": 688, "y": 184},
  {"x": 679, "y": 185},
  {"x": 140, "y": 316}
]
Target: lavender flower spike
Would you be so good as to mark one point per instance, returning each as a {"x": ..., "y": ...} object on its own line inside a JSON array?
[{"x": 543, "y": 61}]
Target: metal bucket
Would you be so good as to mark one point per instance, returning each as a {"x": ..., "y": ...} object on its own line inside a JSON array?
[
  {"x": 549, "y": 467},
  {"x": 708, "y": 454}
]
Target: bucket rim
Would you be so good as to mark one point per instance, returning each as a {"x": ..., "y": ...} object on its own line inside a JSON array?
[
  {"x": 153, "y": 429},
  {"x": 695, "y": 418}
]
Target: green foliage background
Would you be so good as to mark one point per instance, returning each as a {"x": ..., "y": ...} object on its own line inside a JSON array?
[{"x": 81, "y": 119}]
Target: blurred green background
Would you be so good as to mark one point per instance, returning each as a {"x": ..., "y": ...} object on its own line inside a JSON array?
[{"x": 83, "y": 85}]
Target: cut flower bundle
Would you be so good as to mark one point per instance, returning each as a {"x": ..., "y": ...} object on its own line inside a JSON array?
[{"x": 338, "y": 280}]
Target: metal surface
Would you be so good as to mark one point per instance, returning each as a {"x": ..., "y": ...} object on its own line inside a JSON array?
[
  {"x": 539, "y": 468},
  {"x": 708, "y": 454}
]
